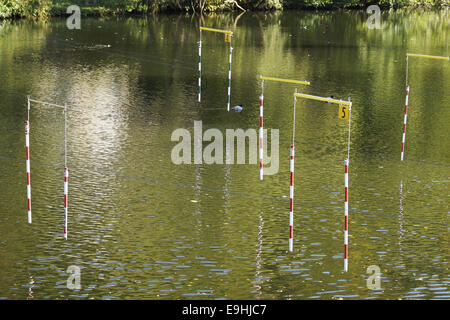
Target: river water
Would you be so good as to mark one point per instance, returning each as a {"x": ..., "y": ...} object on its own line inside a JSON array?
[{"x": 142, "y": 227}]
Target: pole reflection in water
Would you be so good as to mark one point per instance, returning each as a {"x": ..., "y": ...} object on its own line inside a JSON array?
[
  {"x": 30, "y": 289},
  {"x": 197, "y": 188},
  {"x": 227, "y": 179},
  {"x": 400, "y": 217},
  {"x": 258, "y": 277}
]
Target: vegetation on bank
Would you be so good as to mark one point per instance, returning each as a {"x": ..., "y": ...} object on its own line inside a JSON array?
[{"x": 43, "y": 8}]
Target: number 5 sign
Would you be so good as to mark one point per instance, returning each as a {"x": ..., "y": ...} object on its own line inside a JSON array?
[{"x": 343, "y": 112}]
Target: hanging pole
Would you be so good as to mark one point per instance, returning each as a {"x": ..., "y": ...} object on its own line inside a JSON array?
[
  {"x": 66, "y": 195},
  {"x": 406, "y": 111},
  {"x": 200, "y": 68},
  {"x": 291, "y": 186},
  {"x": 346, "y": 162},
  {"x": 229, "y": 74},
  {"x": 66, "y": 174},
  {"x": 405, "y": 117},
  {"x": 346, "y": 187},
  {"x": 261, "y": 132},
  {"x": 291, "y": 202},
  {"x": 28, "y": 168}
]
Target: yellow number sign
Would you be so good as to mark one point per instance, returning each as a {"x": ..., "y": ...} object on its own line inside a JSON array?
[
  {"x": 343, "y": 112},
  {"x": 227, "y": 37}
]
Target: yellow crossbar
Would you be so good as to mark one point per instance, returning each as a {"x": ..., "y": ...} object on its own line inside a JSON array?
[
  {"x": 308, "y": 96},
  {"x": 49, "y": 104},
  {"x": 216, "y": 30},
  {"x": 426, "y": 56},
  {"x": 285, "y": 80}
]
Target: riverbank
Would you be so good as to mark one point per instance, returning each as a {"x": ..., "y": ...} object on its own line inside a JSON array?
[{"x": 48, "y": 8}]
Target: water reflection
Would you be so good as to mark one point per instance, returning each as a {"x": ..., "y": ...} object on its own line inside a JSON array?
[{"x": 142, "y": 227}]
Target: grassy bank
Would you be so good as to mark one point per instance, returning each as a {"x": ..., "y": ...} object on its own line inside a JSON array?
[{"x": 45, "y": 8}]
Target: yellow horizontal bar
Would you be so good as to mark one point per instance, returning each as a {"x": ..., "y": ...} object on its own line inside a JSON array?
[
  {"x": 216, "y": 30},
  {"x": 426, "y": 56},
  {"x": 49, "y": 104},
  {"x": 285, "y": 80},
  {"x": 308, "y": 96}
]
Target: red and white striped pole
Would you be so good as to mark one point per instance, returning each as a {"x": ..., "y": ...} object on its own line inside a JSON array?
[
  {"x": 66, "y": 194},
  {"x": 346, "y": 161},
  {"x": 229, "y": 75},
  {"x": 200, "y": 68},
  {"x": 66, "y": 173},
  {"x": 27, "y": 148},
  {"x": 291, "y": 203},
  {"x": 404, "y": 122},
  {"x": 291, "y": 187},
  {"x": 261, "y": 132}
]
